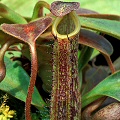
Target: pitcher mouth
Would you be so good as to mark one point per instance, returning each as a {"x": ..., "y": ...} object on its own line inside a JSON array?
[{"x": 75, "y": 19}]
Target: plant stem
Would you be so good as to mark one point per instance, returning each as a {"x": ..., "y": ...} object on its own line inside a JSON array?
[
  {"x": 38, "y": 9},
  {"x": 34, "y": 69},
  {"x": 2, "y": 53},
  {"x": 112, "y": 68}
]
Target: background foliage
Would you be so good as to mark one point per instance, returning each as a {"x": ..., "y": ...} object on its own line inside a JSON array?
[{"x": 101, "y": 6}]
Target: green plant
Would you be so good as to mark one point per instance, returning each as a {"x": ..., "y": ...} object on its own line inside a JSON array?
[
  {"x": 58, "y": 35},
  {"x": 5, "y": 112}
]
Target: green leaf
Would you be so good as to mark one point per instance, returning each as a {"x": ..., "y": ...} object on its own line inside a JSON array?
[
  {"x": 84, "y": 57},
  {"x": 45, "y": 64},
  {"x": 16, "y": 83},
  {"x": 100, "y": 16},
  {"x": 45, "y": 114},
  {"x": 110, "y": 27},
  {"x": 9, "y": 14},
  {"x": 94, "y": 54},
  {"x": 110, "y": 86},
  {"x": 19, "y": 5},
  {"x": 23, "y": 7}
]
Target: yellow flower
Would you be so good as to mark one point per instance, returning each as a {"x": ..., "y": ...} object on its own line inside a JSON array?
[{"x": 6, "y": 113}]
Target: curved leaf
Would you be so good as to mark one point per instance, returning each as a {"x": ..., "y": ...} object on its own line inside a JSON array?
[
  {"x": 11, "y": 15},
  {"x": 102, "y": 16},
  {"x": 20, "y": 6},
  {"x": 96, "y": 41},
  {"x": 108, "y": 87},
  {"x": 110, "y": 27},
  {"x": 16, "y": 83}
]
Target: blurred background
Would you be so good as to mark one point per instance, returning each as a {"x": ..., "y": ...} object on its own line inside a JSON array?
[{"x": 25, "y": 7}]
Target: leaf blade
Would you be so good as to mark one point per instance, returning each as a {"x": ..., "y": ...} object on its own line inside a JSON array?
[
  {"x": 16, "y": 83},
  {"x": 110, "y": 27},
  {"x": 110, "y": 86}
]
